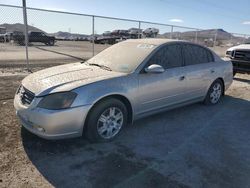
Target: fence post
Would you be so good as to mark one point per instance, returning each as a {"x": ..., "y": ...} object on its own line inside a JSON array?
[
  {"x": 93, "y": 36},
  {"x": 231, "y": 39},
  {"x": 26, "y": 33},
  {"x": 139, "y": 34},
  {"x": 245, "y": 38},
  {"x": 172, "y": 30},
  {"x": 215, "y": 38},
  {"x": 196, "y": 36}
]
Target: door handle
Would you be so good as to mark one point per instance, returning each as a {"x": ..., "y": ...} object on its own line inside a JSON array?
[{"x": 182, "y": 78}]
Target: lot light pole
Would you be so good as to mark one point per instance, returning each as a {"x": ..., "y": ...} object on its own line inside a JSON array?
[
  {"x": 26, "y": 32},
  {"x": 196, "y": 36},
  {"x": 93, "y": 35},
  {"x": 171, "y": 33},
  {"x": 215, "y": 37}
]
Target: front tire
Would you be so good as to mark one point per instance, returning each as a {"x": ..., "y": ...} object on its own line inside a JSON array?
[
  {"x": 106, "y": 120},
  {"x": 214, "y": 93}
]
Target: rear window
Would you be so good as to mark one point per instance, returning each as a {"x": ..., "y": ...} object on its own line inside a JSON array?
[{"x": 194, "y": 54}]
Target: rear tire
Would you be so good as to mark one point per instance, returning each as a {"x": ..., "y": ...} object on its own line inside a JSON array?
[
  {"x": 234, "y": 73},
  {"x": 51, "y": 43},
  {"x": 106, "y": 120},
  {"x": 214, "y": 93}
]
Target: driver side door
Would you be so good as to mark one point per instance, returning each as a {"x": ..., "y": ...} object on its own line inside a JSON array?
[{"x": 159, "y": 90}]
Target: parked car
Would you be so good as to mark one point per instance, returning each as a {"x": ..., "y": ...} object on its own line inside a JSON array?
[
  {"x": 35, "y": 36},
  {"x": 127, "y": 81},
  {"x": 240, "y": 57},
  {"x": 135, "y": 33},
  {"x": 107, "y": 33},
  {"x": 151, "y": 32},
  {"x": 2, "y": 37},
  {"x": 17, "y": 37},
  {"x": 7, "y": 37}
]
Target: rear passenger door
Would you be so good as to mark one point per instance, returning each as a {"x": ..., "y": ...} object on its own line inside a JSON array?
[{"x": 199, "y": 68}]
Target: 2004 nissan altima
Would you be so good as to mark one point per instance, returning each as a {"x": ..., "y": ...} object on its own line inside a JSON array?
[{"x": 127, "y": 81}]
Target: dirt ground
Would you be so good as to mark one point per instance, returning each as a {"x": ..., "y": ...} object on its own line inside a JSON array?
[
  {"x": 62, "y": 52},
  {"x": 193, "y": 146}
]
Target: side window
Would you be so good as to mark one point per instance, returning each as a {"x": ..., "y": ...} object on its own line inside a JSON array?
[
  {"x": 35, "y": 34},
  {"x": 196, "y": 55},
  {"x": 168, "y": 57},
  {"x": 210, "y": 56}
]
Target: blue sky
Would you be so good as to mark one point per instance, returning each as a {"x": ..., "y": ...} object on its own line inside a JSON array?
[{"x": 231, "y": 15}]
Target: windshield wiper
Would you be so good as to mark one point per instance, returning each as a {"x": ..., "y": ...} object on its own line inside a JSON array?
[{"x": 101, "y": 66}]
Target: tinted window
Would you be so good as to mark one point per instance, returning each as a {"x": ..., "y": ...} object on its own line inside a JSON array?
[
  {"x": 196, "y": 55},
  {"x": 168, "y": 57}
]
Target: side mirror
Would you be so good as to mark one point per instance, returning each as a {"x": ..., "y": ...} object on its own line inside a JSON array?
[{"x": 154, "y": 69}]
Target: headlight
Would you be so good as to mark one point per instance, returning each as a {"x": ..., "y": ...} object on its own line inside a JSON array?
[{"x": 57, "y": 101}]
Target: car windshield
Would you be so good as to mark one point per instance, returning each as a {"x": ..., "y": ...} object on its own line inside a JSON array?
[{"x": 122, "y": 57}]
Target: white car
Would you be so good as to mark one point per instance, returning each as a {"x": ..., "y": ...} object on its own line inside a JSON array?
[{"x": 240, "y": 57}]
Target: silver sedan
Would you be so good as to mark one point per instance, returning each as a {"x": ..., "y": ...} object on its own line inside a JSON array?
[{"x": 127, "y": 81}]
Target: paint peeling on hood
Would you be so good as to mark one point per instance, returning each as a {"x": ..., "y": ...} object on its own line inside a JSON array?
[{"x": 65, "y": 78}]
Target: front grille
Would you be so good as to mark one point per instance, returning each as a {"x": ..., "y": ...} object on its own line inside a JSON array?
[
  {"x": 228, "y": 53},
  {"x": 242, "y": 55},
  {"x": 26, "y": 96}
]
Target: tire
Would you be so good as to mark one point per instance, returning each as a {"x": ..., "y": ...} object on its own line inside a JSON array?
[
  {"x": 214, "y": 93},
  {"x": 234, "y": 73},
  {"x": 101, "y": 125},
  {"x": 51, "y": 43}
]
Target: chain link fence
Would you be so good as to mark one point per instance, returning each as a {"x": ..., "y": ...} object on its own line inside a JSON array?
[{"x": 56, "y": 37}]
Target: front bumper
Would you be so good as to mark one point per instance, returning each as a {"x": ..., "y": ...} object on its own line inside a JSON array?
[{"x": 51, "y": 124}]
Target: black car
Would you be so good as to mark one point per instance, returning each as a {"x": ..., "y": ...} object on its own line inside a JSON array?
[{"x": 35, "y": 36}]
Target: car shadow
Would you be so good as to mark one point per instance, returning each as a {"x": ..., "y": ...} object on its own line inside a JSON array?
[
  {"x": 41, "y": 45},
  {"x": 242, "y": 80},
  {"x": 60, "y": 53},
  {"x": 130, "y": 157}
]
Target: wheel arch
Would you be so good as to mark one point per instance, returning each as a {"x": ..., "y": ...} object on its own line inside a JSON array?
[
  {"x": 120, "y": 97},
  {"x": 223, "y": 84}
]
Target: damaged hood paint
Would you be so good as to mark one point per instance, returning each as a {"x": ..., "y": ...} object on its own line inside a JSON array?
[{"x": 65, "y": 78}]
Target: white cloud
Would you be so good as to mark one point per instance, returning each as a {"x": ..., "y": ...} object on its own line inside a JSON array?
[
  {"x": 246, "y": 22},
  {"x": 176, "y": 20}
]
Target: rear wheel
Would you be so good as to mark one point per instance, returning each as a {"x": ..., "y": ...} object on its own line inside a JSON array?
[
  {"x": 51, "y": 43},
  {"x": 214, "y": 93},
  {"x": 106, "y": 120},
  {"x": 234, "y": 72}
]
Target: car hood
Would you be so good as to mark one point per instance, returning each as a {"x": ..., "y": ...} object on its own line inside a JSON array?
[
  {"x": 240, "y": 47},
  {"x": 65, "y": 78}
]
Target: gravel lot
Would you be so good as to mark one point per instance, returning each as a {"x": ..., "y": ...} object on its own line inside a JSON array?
[
  {"x": 62, "y": 52},
  {"x": 193, "y": 146}
]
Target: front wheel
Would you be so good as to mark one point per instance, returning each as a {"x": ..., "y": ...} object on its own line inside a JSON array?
[
  {"x": 106, "y": 120},
  {"x": 214, "y": 93}
]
